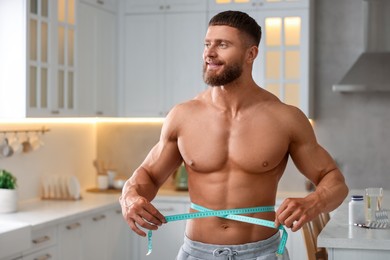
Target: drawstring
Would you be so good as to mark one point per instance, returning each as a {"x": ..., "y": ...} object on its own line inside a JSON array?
[{"x": 225, "y": 251}]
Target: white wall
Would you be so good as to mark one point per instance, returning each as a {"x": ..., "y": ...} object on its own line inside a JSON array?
[
  {"x": 69, "y": 148},
  {"x": 354, "y": 127}
]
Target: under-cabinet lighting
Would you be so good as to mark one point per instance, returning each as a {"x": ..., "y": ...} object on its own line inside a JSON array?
[{"x": 82, "y": 120}]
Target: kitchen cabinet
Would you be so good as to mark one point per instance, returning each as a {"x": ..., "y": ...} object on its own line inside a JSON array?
[
  {"x": 283, "y": 64},
  {"x": 251, "y": 5},
  {"x": 51, "y": 58},
  {"x": 94, "y": 233},
  {"x": 119, "y": 235},
  {"x": 70, "y": 239},
  {"x": 38, "y": 64},
  {"x": 147, "y": 6},
  {"x": 102, "y": 235},
  {"x": 45, "y": 254},
  {"x": 43, "y": 244},
  {"x": 162, "y": 61},
  {"x": 168, "y": 239},
  {"x": 97, "y": 58}
]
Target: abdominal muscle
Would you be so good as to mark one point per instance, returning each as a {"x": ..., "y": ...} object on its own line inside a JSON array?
[{"x": 219, "y": 191}]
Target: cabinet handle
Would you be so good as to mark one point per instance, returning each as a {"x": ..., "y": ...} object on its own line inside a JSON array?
[
  {"x": 44, "y": 257},
  {"x": 170, "y": 209},
  {"x": 73, "y": 226},
  {"x": 100, "y": 2},
  {"x": 55, "y": 112},
  {"x": 167, "y": 7},
  {"x": 98, "y": 218},
  {"x": 118, "y": 211},
  {"x": 99, "y": 113},
  {"x": 41, "y": 240},
  {"x": 161, "y": 7}
]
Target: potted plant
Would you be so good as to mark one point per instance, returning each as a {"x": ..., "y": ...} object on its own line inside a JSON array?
[{"x": 8, "y": 194}]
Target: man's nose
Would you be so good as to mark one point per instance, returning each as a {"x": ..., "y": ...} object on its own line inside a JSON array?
[{"x": 209, "y": 52}]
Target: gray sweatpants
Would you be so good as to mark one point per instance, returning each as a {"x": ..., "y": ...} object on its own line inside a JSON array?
[{"x": 261, "y": 250}]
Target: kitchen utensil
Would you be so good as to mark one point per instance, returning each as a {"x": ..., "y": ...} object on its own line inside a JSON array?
[
  {"x": 119, "y": 183},
  {"x": 5, "y": 149},
  {"x": 102, "y": 181},
  {"x": 16, "y": 144},
  {"x": 374, "y": 225},
  {"x": 373, "y": 201},
  {"x": 27, "y": 145},
  {"x": 74, "y": 187},
  {"x": 111, "y": 177},
  {"x": 382, "y": 216},
  {"x": 181, "y": 179}
]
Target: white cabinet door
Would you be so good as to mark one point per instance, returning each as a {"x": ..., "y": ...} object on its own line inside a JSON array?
[
  {"x": 283, "y": 64},
  {"x": 185, "y": 34},
  {"x": 44, "y": 254},
  {"x": 163, "y": 61},
  {"x": 97, "y": 79},
  {"x": 168, "y": 239},
  {"x": 95, "y": 239},
  {"x": 153, "y": 6},
  {"x": 144, "y": 65},
  {"x": 119, "y": 236},
  {"x": 70, "y": 240},
  {"x": 251, "y": 5}
]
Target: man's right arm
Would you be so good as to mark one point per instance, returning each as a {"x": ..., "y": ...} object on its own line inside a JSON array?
[{"x": 142, "y": 187}]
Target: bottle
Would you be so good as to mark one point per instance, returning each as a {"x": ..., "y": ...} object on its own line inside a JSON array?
[{"x": 356, "y": 210}]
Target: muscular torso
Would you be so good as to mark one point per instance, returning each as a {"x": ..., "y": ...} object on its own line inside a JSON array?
[{"x": 233, "y": 162}]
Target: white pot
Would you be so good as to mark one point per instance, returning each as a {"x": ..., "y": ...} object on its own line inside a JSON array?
[{"x": 8, "y": 201}]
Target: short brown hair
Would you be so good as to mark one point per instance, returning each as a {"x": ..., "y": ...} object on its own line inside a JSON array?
[{"x": 241, "y": 21}]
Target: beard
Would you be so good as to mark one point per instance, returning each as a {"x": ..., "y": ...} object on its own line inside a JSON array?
[{"x": 228, "y": 75}]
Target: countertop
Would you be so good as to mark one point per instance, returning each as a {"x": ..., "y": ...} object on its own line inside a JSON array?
[{"x": 339, "y": 234}]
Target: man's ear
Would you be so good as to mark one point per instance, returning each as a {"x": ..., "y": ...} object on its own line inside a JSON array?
[{"x": 252, "y": 53}]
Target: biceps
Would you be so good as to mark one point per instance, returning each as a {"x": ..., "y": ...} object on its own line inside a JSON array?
[
  {"x": 162, "y": 161},
  {"x": 313, "y": 161}
]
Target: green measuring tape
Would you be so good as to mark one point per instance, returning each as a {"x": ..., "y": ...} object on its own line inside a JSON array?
[{"x": 232, "y": 214}]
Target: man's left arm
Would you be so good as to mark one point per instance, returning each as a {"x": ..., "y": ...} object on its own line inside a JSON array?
[{"x": 318, "y": 166}]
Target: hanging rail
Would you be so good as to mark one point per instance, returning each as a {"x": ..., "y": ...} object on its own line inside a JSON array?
[{"x": 40, "y": 130}]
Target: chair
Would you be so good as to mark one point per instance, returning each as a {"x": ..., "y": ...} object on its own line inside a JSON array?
[{"x": 310, "y": 231}]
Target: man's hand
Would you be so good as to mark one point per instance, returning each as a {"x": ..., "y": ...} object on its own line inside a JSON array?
[
  {"x": 295, "y": 212},
  {"x": 140, "y": 212}
]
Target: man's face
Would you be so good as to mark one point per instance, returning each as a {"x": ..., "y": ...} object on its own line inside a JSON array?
[{"x": 223, "y": 55}]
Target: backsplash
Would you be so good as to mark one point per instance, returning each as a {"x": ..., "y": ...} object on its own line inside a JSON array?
[{"x": 69, "y": 149}]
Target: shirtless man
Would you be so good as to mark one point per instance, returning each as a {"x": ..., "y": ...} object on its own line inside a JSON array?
[{"x": 235, "y": 139}]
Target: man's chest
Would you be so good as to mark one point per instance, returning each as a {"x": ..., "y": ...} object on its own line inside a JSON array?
[{"x": 249, "y": 146}]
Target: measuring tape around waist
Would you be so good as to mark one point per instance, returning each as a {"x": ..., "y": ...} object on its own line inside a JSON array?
[{"x": 233, "y": 214}]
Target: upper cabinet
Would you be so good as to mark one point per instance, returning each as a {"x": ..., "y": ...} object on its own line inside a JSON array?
[
  {"x": 147, "y": 6},
  {"x": 162, "y": 63},
  {"x": 51, "y": 58},
  {"x": 255, "y": 5},
  {"x": 136, "y": 57},
  {"x": 97, "y": 57},
  {"x": 38, "y": 68},
  {"x": 283, "y": 64}
]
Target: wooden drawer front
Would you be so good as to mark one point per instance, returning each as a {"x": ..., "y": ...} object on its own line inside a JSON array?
[
  {"x": 49, "y": 253},
  {"x": 43, "y": 238}
]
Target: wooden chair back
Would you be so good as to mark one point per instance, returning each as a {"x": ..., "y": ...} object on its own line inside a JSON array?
[{"x": 310, "y": 231}]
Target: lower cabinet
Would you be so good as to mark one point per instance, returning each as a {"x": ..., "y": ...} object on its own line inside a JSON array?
[
  {"x": 100, "y": 236},
  {"x": 168, "y": 239}
]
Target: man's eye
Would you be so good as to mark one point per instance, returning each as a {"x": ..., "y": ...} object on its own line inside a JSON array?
[
  {"x": 222, "y": 45},
  {"x": 207, "y": 45}
]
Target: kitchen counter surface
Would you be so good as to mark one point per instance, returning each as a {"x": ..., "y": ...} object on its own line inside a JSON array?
[{"x": 338, "y": 234}]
